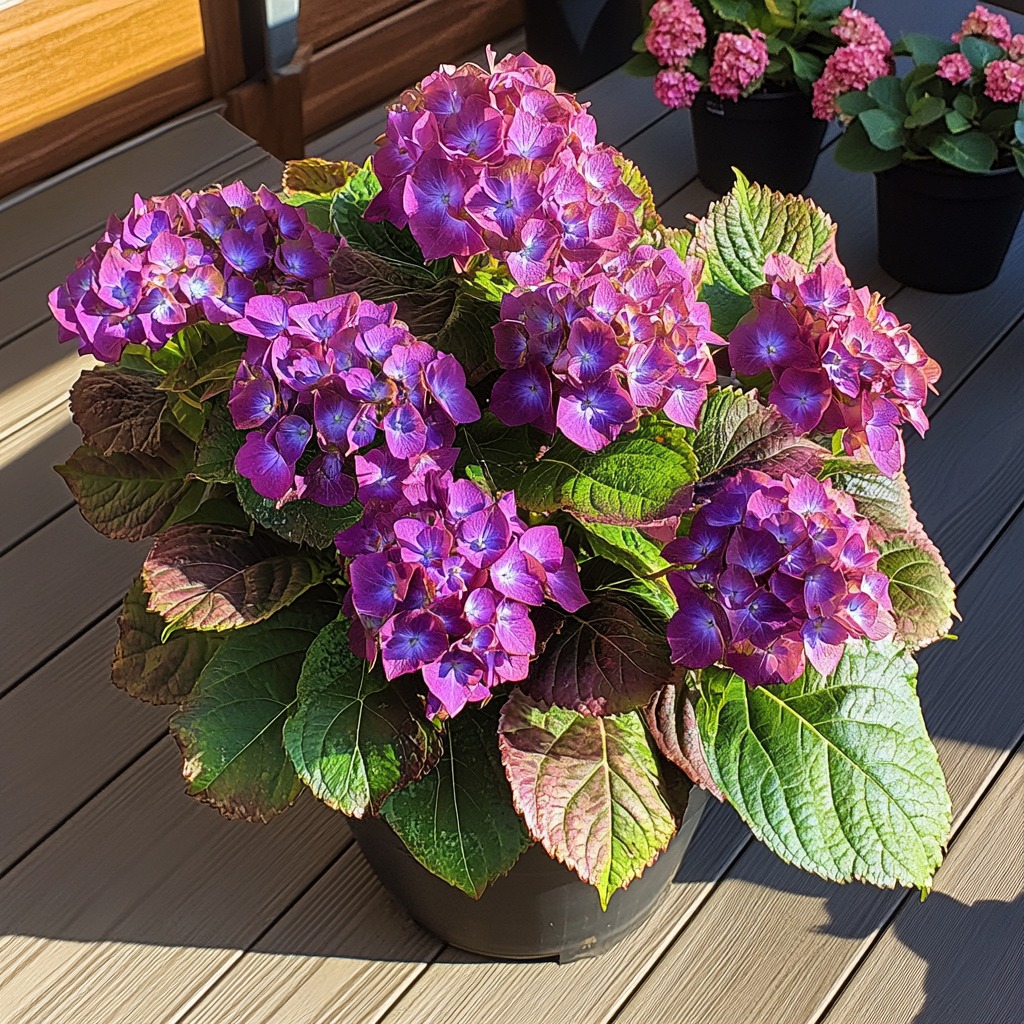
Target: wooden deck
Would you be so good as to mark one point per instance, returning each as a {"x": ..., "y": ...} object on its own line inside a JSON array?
[{"x": 121, "y": 899}]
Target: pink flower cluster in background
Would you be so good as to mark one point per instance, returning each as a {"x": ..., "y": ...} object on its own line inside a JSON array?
[
  {"x": 676, "y": 33},
  {"x": 838, "y": 359},
  {"x": 866, "y": 54},
  {"x": 775, "y": 571},
  {"x": 739, "y": 61},
  {"x": 443, "y": 579},
  {"x": 984, "y": 23},
  {"x": 1004, "y": 78},
  {"x": 327, "y": 378},
  {"x": 587, "y": 360},
  {"x": 175, "y": 260},
  {"x": 498, "y": 162}
]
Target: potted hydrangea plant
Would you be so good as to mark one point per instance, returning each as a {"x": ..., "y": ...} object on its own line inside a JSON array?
[
  {"x": 760, "y": 78},
  {"x": 946, "y": 143},
  {"x": 513, "y": 523}
]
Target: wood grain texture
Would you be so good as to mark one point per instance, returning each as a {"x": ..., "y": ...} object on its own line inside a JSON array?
[
  {"x": 914, "y": 973},
  {"x": 128, "y": 911},
  {"x": 65, "y": 576},
  {"x": 773, "y": 943},
  {"x": 379, "y": 61},
  {"x": 322, "y": 22},
  {"x": 92, "y": 731}
]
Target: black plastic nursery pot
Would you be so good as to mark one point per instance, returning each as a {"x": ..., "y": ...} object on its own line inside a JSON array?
[
  {"x": 944, "y": 230},
  {"x": 772, "y": 137},
  {"x": 539, "y": 910},
  {"x": 582, "y": 39}
]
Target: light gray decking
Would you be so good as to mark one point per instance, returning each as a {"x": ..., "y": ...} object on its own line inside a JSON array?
[{"x": 121, "y": 899}]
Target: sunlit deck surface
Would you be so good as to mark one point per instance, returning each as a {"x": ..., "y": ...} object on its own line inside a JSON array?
[{"x": 122, "y": 899}]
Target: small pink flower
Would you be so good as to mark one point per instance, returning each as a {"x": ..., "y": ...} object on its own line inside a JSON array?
[
  {"x": 738, "y": 62},
  {"x": 676, "y": 88},
  {"x": 861, "y": 29},
  {"x": 1015, "y": 48},
  {"x": 677, "y": 32},
  {"x": 850, "y": 68},
  {"x": 955, "y": 68},
  {"x": 982, "y": 22},
  {"x": 1004, "y": 81}
]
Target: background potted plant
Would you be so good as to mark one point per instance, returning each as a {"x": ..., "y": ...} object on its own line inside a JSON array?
[
  {"x": 946, "y": 143},
  {"x": 510, "y": 521},
  {"x": 760, "y": 78}
]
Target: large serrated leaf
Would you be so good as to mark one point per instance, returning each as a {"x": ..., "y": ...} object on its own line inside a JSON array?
[
  {"x": 118, "y": 410},
  {"x": 132, "y": 495},
  {"x": 588, "y": 788},
  {"x": 865, "y": 799},
  {"x": 160, "y": 673},
  {"x": 751, "y": 222},
  {"x": 230, "y": 728},
  {"x": 640, "y": 478},
  {"x": 218, "y": 446},
  {"x": 353, "y": 736},
  {"x": 738, "y": 432},
  {"x": 218, "y": 577},
  {"x": 883, "y": 500},
  {"x": 648, "y": 218},
  {"x": 603, "y": 661},
  {"x": 458, "y": 820},
  {"x": 921, "y": 590},
  {"x": 300, "y": 521},
  {"x": 671, "y": 718}
]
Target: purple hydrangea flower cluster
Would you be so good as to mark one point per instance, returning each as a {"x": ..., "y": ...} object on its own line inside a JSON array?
[
  {"x": 443, "y": 578},
  {"x": 627, "y": 339},
  {"x": 179, "y": 259},
  {"x": 775, "y": 570},
  {"x": 498, "y": 162},
  {"x": 329, "y": 377},
  {"x": 838, "y": 359}
]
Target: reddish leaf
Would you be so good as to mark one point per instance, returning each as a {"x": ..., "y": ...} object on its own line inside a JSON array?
[
  {"x": 672, "y": 721},
  {"x": 118, "y": 410}
]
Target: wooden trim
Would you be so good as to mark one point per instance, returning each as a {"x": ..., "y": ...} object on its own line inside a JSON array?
[
  {"x": 222, "y": 34},
  {"x": 384, "y": 58},
  {"x": 322, "y": 22},
  {"x": 54, "y": 146},
  {"x": 271, "y": 111}
]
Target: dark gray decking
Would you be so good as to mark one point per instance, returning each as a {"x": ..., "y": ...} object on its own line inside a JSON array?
[{"x": 123, "y": 900}]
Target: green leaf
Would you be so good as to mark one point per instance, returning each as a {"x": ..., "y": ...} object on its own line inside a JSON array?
[
  {"x": 640, "y": 478},
  {"x": 604, "y": 660},
  {"x": 956, "y": 122},
  {"x": 160, "y": 673},
  {"x": 132, "y": 495},
  {"x": 230, "y": 728},
  {"x": 118, "y": 410},
  {"x": 588, "y": 788},
  {"x": 890, "y": 95},
  {"x": 865, "y": 799},
  {"x": 806, "y": 65},
  {"x": 315, "y": 176},
  {"x": 300, "y": 521},
  {"x": 218, "y": 577},
  {"x": 980, "y": 52},
  {"x": 626, "y": 546},
  {"x": 218, "y": 445},
  {"x": 738, "y": 432},
  {"x": 642, "y": 65},
  {"x": 854, "y": 103},
  {"x": 885, "y": 130},
  {"x": 924, "y": 49},
  {"x": 458, "y": 820},
  {"x": 648, "y": 218},
  {"x": 727, "y": 307},
  {"x": 672, "y": 721},
  {"x": 466, "y": 334},
  {"x": 921, "y": 590},
  {"x": 855, "y": 152},
  {"x": 1018, "y": 130},
  {"x": 749, "y": 223},
  {"x": 925, "y": 111},
  {"x": 885, "y": 501},
  {"x": 965, "y": 104},
  {"x": 973, "y": 151},
  {"x": 354, "y": 737},
  {"x": 734, "y": 10}
]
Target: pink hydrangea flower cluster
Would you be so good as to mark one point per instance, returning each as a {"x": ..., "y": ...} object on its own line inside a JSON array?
[
  {"x": 443, "y": 579},
  {"x": 775, "y": 572},
  {"x": 984, "y": 23},
  {"x": 738, "y": 63},
  {"x": 175, "y": 260},
  {"x": 676, "y": 33},
  {"x": 865, "y": 56},
  {"x": 1004, "y": 81},
  {"x": 326, "y": 379},
  {"x": 676, "y": 89},
  {"x": 955, "y": 68},
  {"x": 588, "y": 359},
  {"x": 498, "y": 162},
  {"x": 838, "y": 359}
]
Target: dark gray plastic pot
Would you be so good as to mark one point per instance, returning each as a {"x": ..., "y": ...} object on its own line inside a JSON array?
[
  {"x": 772, "y": 137},
  {"x": 944, "y": 230},
  {"x": 582, "y": 39},
  {"x": 539, "y": 910}
]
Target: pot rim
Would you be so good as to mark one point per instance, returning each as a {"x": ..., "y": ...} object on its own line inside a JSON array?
[{"x": 938, "y": 168}]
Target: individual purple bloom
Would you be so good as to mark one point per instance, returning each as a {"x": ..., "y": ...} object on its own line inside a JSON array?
[
  {"x": 593, "y": 350},
  {"x": 529, "y": 262},
  {"x": 264, "y": 466},
  {"x": 771, "y": 339},
  {"x": 243, "y": 252},
  {"x": 375, "y": 585},
  {"x": 518, "y": 576},
  {"x": 514, "y": 629},
  {"x": 380, "y": 475},
  {"x": 290, "y": 436},
  {"x": 326, "y": 482},
  {"x": 695, "y": 632},
  {"x": 435, "y": 197},
  {"x": 802, "y": 396},
  {"x": 824, "y": 640},
  {"x": 595, "y": 413},
  {"x": 422, "y": 544},
  {"x": 447, "y": 382},
  {"x": 483, "y": 536},
  {"x": 523, "y": 395},
  {"x": 405, "y": 431},
  {"x": 453, "y": 681},
  {"x": 411, "y": 640},
  {"x": 333, "y": 413},
  {"x": 506, "y": 199}
]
